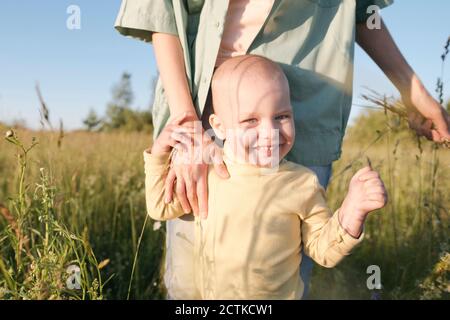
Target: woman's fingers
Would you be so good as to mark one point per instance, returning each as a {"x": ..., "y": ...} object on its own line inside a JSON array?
[
  {"x": 441, "y": 122},
  {"x": 181, "y": 149},
  {"x": 169, "y": 185},
  {"x": 415, "y": 121},
  {"x": 425, "y": 129},
  {"x": 191, "y": 190},
  {"x": 182, "y": 129},
  {"x": 202, "y": 193},
  {"x": 436, "y": 136},
  {"x": 181, "y": 195},
  {"x": 191, "y": 169},
  {"x": 188, "y": 139},
  {"x": 181, "y": 141},
  {"x": 184, "y": 138}
]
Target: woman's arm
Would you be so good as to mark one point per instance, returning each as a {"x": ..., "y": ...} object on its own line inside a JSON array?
[
  {"x": 427, "y": 117},
  {"x": 169, "y": 57},
  {"x": 187, "y": 180}
]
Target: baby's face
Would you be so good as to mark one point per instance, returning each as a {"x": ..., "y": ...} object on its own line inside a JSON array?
[{"x": 260, "y": 128}]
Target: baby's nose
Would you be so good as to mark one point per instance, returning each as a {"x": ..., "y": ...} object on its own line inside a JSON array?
[{"x": 269, "y": 133}]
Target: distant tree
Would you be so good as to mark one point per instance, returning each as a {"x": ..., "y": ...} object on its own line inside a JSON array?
[
  {"x": 118, "y": 108},
  {"x": 92, "y": 121},
  {"x": 122, "y": 92},
  {"x": 120, "y": 115}
]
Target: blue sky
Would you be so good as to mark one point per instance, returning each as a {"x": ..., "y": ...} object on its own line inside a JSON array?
[{"x": 76, "y": 69}]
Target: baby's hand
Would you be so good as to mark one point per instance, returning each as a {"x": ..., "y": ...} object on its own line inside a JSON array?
[
  {"x": 366, "y": 193},
  {"x": 174, "y": 135}
]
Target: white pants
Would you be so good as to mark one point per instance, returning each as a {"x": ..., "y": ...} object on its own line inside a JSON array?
[{"x": 179, "y": 262}]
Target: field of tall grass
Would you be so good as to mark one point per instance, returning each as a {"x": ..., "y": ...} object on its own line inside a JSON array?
[
  {"x": 408, "y": 239},
  {"x": 94, "y": 189},
  {"x": 73, "y": 222}
]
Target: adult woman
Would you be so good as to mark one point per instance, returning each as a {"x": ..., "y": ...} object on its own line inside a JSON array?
[{"x": 312, "y": 40}]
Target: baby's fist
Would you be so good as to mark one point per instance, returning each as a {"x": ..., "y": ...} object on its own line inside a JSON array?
[{"x": 367, "y": 191}]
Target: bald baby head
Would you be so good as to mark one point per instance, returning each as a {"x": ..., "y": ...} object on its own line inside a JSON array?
[
  {"x": 238, "y": 80},
  {"x": 252, "y": 109}
]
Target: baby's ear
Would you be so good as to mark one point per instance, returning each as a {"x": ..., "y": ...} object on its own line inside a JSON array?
[{"x": 218, "y": 126}]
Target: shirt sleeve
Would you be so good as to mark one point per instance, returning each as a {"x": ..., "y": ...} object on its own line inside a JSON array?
[
  {"x": 156, "y": 167},
  {"x": 141, "y": 18},
  {"x": 323, "y": 237},
  {"x": 362, "y": 5}
]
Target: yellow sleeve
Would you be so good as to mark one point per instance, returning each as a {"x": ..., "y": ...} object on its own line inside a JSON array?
[
  {"x": 323, "y": 237},
  {"x": 141, "y": 18},
  {"x": 156, "y": 167}
]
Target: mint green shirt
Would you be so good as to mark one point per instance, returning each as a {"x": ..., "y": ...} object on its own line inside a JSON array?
[{"x": 312, "y": 40}]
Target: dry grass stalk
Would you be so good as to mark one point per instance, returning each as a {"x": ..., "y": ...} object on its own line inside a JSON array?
[
  {"x": 396, "y": 107},
  {"x": 23, "y": 240}
]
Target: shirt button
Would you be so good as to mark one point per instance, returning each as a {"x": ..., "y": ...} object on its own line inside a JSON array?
[{"x": 219, "y": 28}]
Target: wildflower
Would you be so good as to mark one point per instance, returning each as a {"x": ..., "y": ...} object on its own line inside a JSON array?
[
  {"x": 156, "y": 225},
  {"x": 9, "y": 134}
]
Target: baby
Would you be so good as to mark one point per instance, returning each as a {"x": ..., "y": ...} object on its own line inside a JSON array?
[{"x": 270, "y": 209}]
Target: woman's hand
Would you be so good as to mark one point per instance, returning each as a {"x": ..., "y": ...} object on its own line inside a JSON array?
[
  {"x": 173, "y": 136},
  {"x": 426, "y": 116},
  {"x": 189, "y": 171}
]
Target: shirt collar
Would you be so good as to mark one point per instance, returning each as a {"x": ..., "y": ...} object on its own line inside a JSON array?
[{"x": 236, "y": 167}]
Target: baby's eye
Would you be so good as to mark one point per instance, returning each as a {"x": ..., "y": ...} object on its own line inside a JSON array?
[
  {"x": 250, "y": 121},
  {"x": 283, "y": 116}
]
